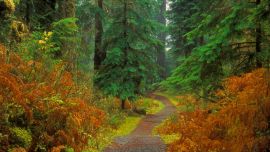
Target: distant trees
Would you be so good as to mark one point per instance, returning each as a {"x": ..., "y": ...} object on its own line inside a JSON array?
[
  {"x": 161, "y": 52},
  {"x": 215, "y": 39}
]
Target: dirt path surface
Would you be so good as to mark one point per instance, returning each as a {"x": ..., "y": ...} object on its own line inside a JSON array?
[{"x": 141, "y": 139}]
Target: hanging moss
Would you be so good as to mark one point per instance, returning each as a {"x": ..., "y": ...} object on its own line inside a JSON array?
[
  {"x": 19, "y": 30},
  {"x": 10, "y": 5},
  {"x": 7, "y": 7}
]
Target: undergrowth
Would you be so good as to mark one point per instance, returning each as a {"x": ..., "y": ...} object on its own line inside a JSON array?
[
  {"x": 238, "y": 121},
  {"x": 43, "y": 109}
]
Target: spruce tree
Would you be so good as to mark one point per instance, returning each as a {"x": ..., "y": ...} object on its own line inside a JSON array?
[{"x": 130, "y": 50}]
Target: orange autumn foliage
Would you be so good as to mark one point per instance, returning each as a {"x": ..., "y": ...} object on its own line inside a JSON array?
[
  {"x": 49, "y": 105},
  {"x": 238, "y": 122}
]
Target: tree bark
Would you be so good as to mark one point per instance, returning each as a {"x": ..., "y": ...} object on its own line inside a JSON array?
[
  {"x": 122, "y": 104},
  {"x": 67, "y": 8},
  {"x": 99, "y": 53}
]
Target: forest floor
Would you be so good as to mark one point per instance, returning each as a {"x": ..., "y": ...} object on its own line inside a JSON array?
[{"x": 141, "y": 139}]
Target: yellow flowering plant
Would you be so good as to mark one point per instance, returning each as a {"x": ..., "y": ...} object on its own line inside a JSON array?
[{"x": 46, "y": 44}]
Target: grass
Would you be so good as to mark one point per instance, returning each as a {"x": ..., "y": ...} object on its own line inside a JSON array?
[
  {"x": 168, "y": 139},
  {"x": 180, "y": 104},
  {"x": 152, "y": 106},
  {"x": 126, "y": 127},
  {"x": 108, "y": 135},
  {"x": 172, "y": 98}
]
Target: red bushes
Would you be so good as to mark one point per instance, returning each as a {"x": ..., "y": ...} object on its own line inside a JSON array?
[
  {"x": 238, "y": 122},
  {"x": 52, "y": 108}
]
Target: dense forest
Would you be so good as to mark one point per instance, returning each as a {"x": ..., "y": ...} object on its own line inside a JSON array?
[{"x": 75, "y": 75}]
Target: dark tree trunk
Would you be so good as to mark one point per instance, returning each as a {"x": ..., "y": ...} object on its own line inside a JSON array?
[
  {"x": 28, "y": 12},
  {"x": 161, "y": 55},
  {"x": 122, "y": 104},
  {"x": 258, "y": 39},
  {"x": 99, "y": 53}
]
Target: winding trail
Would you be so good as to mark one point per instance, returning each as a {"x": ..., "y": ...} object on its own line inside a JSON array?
[{"x": 141, "y": 139}]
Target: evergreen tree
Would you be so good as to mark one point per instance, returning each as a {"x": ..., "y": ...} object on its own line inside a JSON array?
[
  {"x": 161, "y": 54},
  {"x": 223, "y": 41},
  {"x": 130, "y": 48},
  {"x": 182, "y": 20},
  {"x": 99, "y": 52},
  {"x": 85, "y": 12}
]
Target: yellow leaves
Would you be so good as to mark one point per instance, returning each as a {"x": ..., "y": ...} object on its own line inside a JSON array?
[
  {"x": 47, "y": 34},
  {"x": 10, "y": 5},
  {"x": 41, "y": 42},
  {"x": 45, "y": 43}
]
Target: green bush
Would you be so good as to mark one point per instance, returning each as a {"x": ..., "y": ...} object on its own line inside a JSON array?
[
  {"x": 21, "y": 137},
  {"x": 115, "y": 120}
]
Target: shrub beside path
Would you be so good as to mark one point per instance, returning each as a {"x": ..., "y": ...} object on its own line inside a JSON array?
[{"x": 141, "y": 139}]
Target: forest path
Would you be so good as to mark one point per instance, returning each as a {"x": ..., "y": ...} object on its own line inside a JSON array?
[{"x": 141, "y": 139}]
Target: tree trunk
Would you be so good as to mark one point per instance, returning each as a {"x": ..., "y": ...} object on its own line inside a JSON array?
[
  {"x": 67, "y": 8},
  {"x": 123, "y": 104},
  {"x": 99, "y": 53},
  {"x": 258, "y": 39},
  {"x": 161, "y": 55}
]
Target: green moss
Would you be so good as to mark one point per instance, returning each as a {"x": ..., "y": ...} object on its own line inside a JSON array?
[
  {"x": 108, "y": 135},
  {"x": 21, "y": 136},
  {"x": 127, "y": 127},
  {"x": 168, "y": 139}
]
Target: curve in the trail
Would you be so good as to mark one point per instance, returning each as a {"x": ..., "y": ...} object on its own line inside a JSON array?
[{"x": 141, "y": 139}]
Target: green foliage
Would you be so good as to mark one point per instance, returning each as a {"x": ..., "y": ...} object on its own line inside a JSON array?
[
  {"x": 65, "y": 31},
  {"x": 106, "y": 137},
  {"x": 69, "y": 150},
  {"x": 212, "y": 41},
  {"x": 21, "y": 136},
  {"x": 130, "y": 46},
  {"x": 47, "y": 45},
  {"x": 150, "y": 105},
  {"x": 115, "y": 120}
]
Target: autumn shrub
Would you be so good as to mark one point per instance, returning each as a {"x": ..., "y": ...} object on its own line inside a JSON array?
[
  {"x": 238, "y": 122},
  {"x": 42, "y": 109}
]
